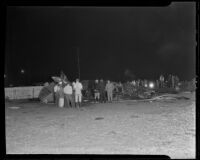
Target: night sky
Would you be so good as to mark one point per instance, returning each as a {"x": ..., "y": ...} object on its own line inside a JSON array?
[{"x": 112, "y": 42}]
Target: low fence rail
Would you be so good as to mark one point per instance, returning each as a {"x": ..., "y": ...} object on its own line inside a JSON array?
[{"x": 22, "y": 92}]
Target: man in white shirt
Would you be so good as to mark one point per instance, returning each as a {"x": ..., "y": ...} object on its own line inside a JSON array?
[
  {"x": 78, "y": 94},
  {"x": 68, "y": 95},
  {"x": 96, "y": 91},
  {"x": 109, "y": 89},
  {"x": 58, "y": 92},
  {"x": 56, "y": 95}
]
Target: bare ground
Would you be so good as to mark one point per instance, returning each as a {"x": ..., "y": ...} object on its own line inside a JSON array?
[{"x": 112, "y": 128}]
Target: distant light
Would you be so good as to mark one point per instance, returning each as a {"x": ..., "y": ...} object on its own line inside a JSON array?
[
  {"x": 4, "y": 75},
  {"x": 151, "y": 85},
  {"x": 22, "y": 71},
  {"x": 145, "y": 85}
]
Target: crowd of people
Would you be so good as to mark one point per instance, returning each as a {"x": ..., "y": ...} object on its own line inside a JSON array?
[
  {"x": 67, "y": 94},
  {"x": 70, "y": 94},
  {"x": 171, "y": 81},
  {"x": 103, "y": 92}
]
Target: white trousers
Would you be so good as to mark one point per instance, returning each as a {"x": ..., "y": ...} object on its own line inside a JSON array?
[
  {"x": 97, "y": 95},
  {"x": 78, "y": 98}
]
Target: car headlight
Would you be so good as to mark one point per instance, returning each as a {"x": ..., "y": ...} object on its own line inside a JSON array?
[{"x": 151, "y": 85}]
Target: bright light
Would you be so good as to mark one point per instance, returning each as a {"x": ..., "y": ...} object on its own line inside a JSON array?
[
  {"x": 151, "y": 85},
  {"x": 22, "y": 71}
]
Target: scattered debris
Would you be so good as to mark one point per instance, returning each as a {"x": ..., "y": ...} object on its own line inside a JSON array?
[
  {"x": 112, "y": 132},
  {"x": 169, "y": 97},
  {"x": 99, "y": 118},
  {"x": 186, "y": 98},
  {"x": 134, "y": 116},
  {"x": 14, "y": 107}
]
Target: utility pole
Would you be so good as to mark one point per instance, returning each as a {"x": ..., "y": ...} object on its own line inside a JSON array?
[{"x": 79, "y": 74}]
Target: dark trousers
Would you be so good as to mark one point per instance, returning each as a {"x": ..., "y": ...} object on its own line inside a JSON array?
[
  {"x": 102, "y": 96},
  {"x": 161, "y": 84},
  {"x": 56, "y": 98},
  {"x": 69, "y": 100}
]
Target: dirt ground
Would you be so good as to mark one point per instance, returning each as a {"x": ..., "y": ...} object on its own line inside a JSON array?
[{"x": 166, "y": 128}]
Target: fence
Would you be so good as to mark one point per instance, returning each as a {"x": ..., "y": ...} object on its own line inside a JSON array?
[{"x": 22, "y": 92}]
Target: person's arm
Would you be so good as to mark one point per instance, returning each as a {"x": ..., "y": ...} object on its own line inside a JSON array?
[
  {"x": 74, "y": 87},
  {"x": 55, "y": 88},
  {"x": 106, "y": 88}
]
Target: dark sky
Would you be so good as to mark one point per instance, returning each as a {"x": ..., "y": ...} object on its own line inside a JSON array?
[{"x": 112, "y": 42}]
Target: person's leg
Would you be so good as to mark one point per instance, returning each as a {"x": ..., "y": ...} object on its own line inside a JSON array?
[
  {"x": 117, "y": 95},
  {"x": 104, "y": 97},
  {"x": 54, "y": 97},
  {"x": 76, "y": 100},
  {"x": 57, "y": 99},
  {"x": 111, "y": 96},
  {"x": 72, "y": 101},
  {"x": 80, "y": 100},
  {"x": 101, "y": 97},
  {"x": 107, "y": 96},
  {"x": 68, "y": 100},
  {"x": 98, "y": 96},
  {"x": 65, "y": 100},
  {"x": 95, "y": 97}
]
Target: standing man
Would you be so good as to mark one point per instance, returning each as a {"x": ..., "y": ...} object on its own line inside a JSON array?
[
  {"x": 102, "y": 91},
  {"x": 176, "y": 80},
  {"x": 162, "y": 79},
  {"x": 173, "y": 81},
  {"x": 96, "y": 91},
  {"x": 78, "y": 94},
  {"x": 157, "y": 83},
  {"x": 169, "y": 79},
  {"x": 68, "y": 95},
  {"x": 63, "y": 76},
  {"x": 56, "y": 93},
  {"x": 58, "y": 89},
  {"x": 109, "y": 89},
  {"x": 134, "y": 83}
]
